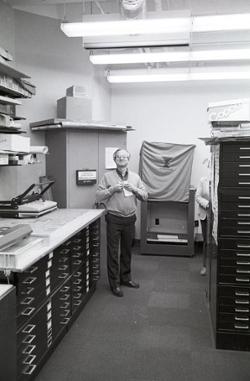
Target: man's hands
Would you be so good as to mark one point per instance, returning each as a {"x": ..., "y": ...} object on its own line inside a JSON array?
[
  {"x": 130, "y": 187},
  {"x": 116, "y": 188},
  {"x": 119, "y": 187}
]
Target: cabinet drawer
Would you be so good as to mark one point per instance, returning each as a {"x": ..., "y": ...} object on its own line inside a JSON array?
[
  {"x": 242, "y": 279},
  {"x": 233, "y": 309},
  {"x": 235, "y": 175},
  {"x": 238, "y": 152},
  {"x": 235, "y": 322},
  {"x": 234, "y": 227},
  {"x": 238, "y": 244},
  {"x": 233, "y": 258},
  {"x": 234, "y": 270}
]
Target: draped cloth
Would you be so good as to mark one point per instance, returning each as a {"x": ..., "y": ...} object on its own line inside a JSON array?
[{"x": 165, "y": 168}]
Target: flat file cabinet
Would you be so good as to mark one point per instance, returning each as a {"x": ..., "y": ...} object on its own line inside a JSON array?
[
  {"x": 50, "y": 294},
  {"x": 230, "y": 255}
]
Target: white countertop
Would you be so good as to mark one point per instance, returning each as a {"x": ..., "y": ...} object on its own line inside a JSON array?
[
  {"x": 49, "y": 231},
  {"x": 4, "y": 289}
]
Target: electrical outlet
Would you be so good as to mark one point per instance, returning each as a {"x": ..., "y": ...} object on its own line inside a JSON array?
[
  {"x": 157, "y": 222},
  {"x": 196, "y": 223}
]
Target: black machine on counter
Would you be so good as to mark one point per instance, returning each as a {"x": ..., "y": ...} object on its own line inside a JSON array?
[{"x": 29, "y": 204}]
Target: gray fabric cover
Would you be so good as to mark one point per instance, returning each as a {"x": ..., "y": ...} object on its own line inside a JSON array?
[{"x": 166, "y": 169}]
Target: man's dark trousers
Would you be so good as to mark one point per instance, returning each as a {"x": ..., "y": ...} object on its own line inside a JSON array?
[{"x": 120, "y": 230}]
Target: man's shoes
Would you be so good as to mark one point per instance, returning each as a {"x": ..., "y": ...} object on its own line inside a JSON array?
[
  {"x": 117, "y": 291},
  {"x": 131, "y": 284}
]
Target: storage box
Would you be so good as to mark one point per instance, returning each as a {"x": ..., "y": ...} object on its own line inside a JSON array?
[
  {"x": 74, "y": 108},
  {"x": 13, "y": 142},
  {"x": 236, "y": 110},
  {"x": 76, "y": 91},
  {"x": 4, "y": 159}
]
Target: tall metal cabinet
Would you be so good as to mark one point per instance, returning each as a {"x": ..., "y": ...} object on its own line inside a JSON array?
[
  {"x": 73, "y": 149},
  {"x": 230, "y": 254}
]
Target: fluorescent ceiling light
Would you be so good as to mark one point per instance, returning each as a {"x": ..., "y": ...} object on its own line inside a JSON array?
[
  {"x": 156, "y": 26},
  {"x": 206, "y": 55},
  {"x": 177, "y": 77},
  {"x": 126, "y": 27},
  {"x": 221, "y": 22}
]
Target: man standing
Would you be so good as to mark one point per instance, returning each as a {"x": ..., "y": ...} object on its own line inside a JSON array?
[{"x": 120, "y": 189}]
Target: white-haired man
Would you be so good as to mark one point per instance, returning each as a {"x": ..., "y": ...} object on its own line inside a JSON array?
[{"x": 119, "y": 189}]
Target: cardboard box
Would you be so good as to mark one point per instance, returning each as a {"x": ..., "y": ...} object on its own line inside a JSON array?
[
  {"x": 235, "y": 110},
  {"x": 76, "y": 91},
  {"x": 74, "y": 108},
  {"x": 4, "y": 159},
  {"x": 14, "y": 142}
]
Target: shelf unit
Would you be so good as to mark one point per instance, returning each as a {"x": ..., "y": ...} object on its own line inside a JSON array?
[
  {"x": 11, "y": 89},
  {"x": 167, "y": 227}
]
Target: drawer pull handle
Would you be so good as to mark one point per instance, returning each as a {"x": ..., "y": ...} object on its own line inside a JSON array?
[
  {"x": 244, "y": 148},
  {"x": 28, "y": 311},
  {"x": 242, "y": 280},
  {"x": 241, "y": 301},
  {"x": 64, "y": 289},
  {"x": 244, "y": 197},
  {"x": 64, "y": 297},
  {"x": 242, "y": 263},
  {"x": 77, "y": 262},
  {"x": 243, "y": 246},
  {"x": 242, "y": 271},
  {"x": 243, "y": 231},
  {"x": 28, "y": 339},
  {"x": 243, "y": 206},
  {"x": 77, "y": 296},
  {"x": 244, "y": 174},
  {"x": 63, "y": 267},
  {"x": 243, "y": 223},
  {"x": 28, "y": 349},
  {"x": 65, "y": 313},
  {"x": 241, "y": 318},
  {"x": 241, "y": 326},
  {"x": 244, "y": 165},
  {"x": 242, "y": 254},
  {"x": 28, "y": 291},
  {"x": 246, "y": 310},
  {"x": 77, "y": 288},
  {"x": 243, "y": 215},
  {"x": 29, "y": 280},
  {"x": 243, "y": 182},
  {"x": 28, "y": 328},
  {"x": 33, "y": 269},
  {"x": 65, "y": 321},
  {"x": 77, "y": 255},
  {"x": 65, "y": 305},
  {"x": 29, "y": 369},
  {"x": 29, "y": 359},
  {"x": 77, "y": 303},
  {"x": 239, "y": 293},
  {"x": 77, "y": 281},
  {"x": 63, "y": 275},
  {"x": 27, "y": 300}
]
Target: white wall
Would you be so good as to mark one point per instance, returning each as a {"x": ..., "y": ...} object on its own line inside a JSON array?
[{"x": 174, "y": 113}]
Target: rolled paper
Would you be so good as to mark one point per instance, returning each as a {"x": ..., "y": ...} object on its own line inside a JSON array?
[{"x": 39, "y": 149}]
